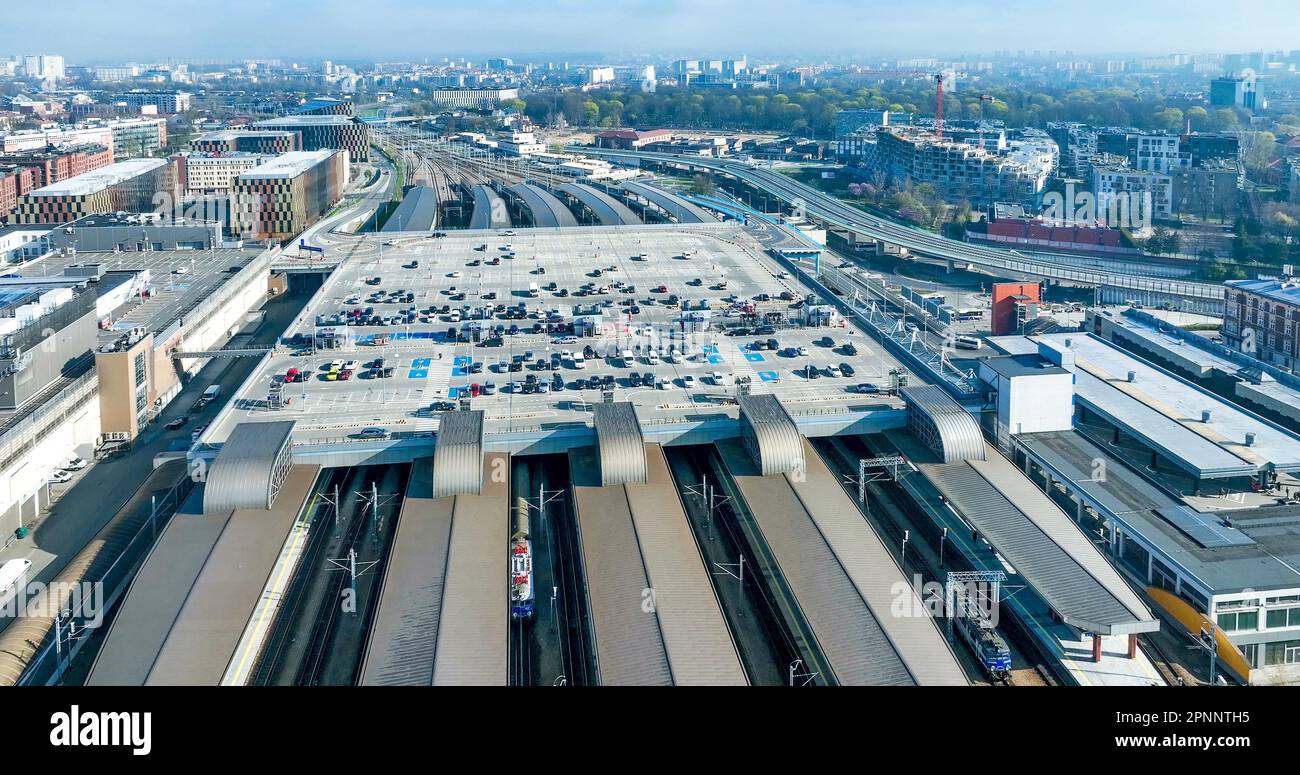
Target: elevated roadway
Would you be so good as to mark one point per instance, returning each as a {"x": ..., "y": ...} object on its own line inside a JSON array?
[{"x": 836, "y": 214}]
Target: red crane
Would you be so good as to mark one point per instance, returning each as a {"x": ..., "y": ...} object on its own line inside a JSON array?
[{"x": 938, "y": 105}]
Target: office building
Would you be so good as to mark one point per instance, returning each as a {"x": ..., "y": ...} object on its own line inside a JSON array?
[
  {"x": 279, "y": 199},
  {"x": 169, "y": 102},
  {"x": 215, "y": 173},
  {"x": 251, "y": 141},
  {"x": 477, "y": 99},
  {"x": 325, "y": 132},
  {"x": 135, "y": 186},
  {"x": 912, "y": 155}
]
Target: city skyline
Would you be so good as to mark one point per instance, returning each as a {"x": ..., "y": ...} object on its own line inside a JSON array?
[{"x": 95, "y": 34}]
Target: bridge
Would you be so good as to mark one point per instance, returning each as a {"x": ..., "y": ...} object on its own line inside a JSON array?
[{"x": 1115, "y": 285}]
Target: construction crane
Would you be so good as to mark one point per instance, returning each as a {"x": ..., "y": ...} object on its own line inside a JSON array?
[{"x": 938, "y": 105}]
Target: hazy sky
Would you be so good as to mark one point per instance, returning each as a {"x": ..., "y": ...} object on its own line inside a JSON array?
[{"x": 118, "y": 30}]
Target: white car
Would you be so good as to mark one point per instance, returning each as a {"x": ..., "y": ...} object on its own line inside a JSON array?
[
  {"x": 58, "y": 477},
  {"x": 454, "y": 273},
  {"x": 834, "y": 370},
  {"x": 180, "y": 270},
  {"x": 688, "y": 381},
  {"x": 351, "y": 366},
  {"x": 803, "y": 350},
  {"x": 74, "y": 464}
]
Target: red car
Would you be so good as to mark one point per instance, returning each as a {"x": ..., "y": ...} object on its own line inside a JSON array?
[
  {"x": 345, "y": 374},
  {"x": 474, "y": 390}
]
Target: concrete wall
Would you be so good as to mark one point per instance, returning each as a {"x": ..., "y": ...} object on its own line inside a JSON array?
[
  {"x": 22, "y": 485},
  {"x": 45, "y": 362}
]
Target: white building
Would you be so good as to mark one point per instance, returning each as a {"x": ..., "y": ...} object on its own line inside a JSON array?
[
  {"x": 599, "y": 75},
  {"x": 1159, "y": 153},
  {"x": 1118, "y": 188},
  {"x": 207, "y": 173}
]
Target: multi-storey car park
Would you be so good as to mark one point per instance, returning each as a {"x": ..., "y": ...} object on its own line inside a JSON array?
[
  {"x": 445, "y": 398},
  {"x": 682, "y": 453}
]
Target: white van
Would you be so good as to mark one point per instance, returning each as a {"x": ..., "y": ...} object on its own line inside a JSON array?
[
  {"x": 579, "y": 362},
  {"x": 652, "y": 358},
  {"x": 532, "y": 290},
  {"x": 626, "y": 357}
]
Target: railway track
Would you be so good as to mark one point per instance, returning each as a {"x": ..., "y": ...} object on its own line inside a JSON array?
[{"x": 1035, "y": 668}]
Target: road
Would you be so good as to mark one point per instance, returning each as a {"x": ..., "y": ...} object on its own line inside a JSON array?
[{"x": 825, "y": 207}]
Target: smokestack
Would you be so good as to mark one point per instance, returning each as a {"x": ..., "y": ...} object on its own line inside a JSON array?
[
  {"x": 1250, "y": 439},
  {"x": 1205, "y": 415},
  {"x": 1132, "y": 376}
]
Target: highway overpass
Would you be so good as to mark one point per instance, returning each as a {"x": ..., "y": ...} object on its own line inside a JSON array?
[{"x": 1115, "y": 285}]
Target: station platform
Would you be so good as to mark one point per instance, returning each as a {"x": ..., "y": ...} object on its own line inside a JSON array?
[
  {"x": 654, "y": 612},
  {"x": 193, "y": 598},
  {"x": 842, "y": 577},
  {"x": 443, "y": 615}
]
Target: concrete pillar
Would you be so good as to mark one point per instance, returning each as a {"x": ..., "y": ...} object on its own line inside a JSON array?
[
  {"x": 1096, "y": 647},
  {"x": 951, "y": 266},
  {"x": 1114, "y": 439},
  {"x": 1079, "y": 511},
  {"x": 1132, "y": 645},
  {"x": 1155, "y": 461}
]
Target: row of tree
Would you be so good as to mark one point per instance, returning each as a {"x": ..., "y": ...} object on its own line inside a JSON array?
[{"x": 811, "y": 111}]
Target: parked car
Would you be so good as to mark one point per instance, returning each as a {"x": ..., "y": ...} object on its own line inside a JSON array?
[
  {"x": 373, "y": 433},
  {"x": 177, "y": 423},
  {"x": 58, "y": 476}
]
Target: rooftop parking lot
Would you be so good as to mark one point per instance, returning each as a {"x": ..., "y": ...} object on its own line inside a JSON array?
[
  {"x": 179, "y": 280},
  {"x": 642, "y": 311}
]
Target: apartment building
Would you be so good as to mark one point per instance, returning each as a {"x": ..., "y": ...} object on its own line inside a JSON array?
[{"x": 1262, "y": 319}]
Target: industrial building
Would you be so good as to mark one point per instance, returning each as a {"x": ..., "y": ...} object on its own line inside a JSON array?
[{"x": 1191, "y": 494}]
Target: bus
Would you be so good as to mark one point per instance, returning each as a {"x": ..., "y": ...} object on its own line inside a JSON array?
[
  {"x": 966, "y": 342},
  {"x": 970, "y": 314}
]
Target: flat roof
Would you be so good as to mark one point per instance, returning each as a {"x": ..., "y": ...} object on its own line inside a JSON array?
[
  {"x": 1165, "y": 411},
  {"x": 100, "y": 179},
  {"x": 309, "y": 120},
  {"x": 1044, "y": 546},
  {"x": 1009, "y": 366},
  {"x": 1277, "y": 290},
  {"x": 1268, "y": 559},
  {"x": 429, "y": 368},
  {"x": 288, "y": 165}
]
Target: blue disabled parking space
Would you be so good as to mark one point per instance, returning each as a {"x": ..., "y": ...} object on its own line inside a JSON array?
[
  {"x": 754, "y": 357},
  {"x": 460, "y": 366},
  {"x": 453, "y": 392},
  {"x": 421, "y": 363},
  {"x": 710, "y": 349},
  {"x": 417, "y": 374},
  {"x": 768, "y": 376}
]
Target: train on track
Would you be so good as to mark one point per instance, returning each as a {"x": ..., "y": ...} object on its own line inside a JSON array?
[
  {"x": 522, "y": 595},
  {"x": 979, "y": 633}
]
